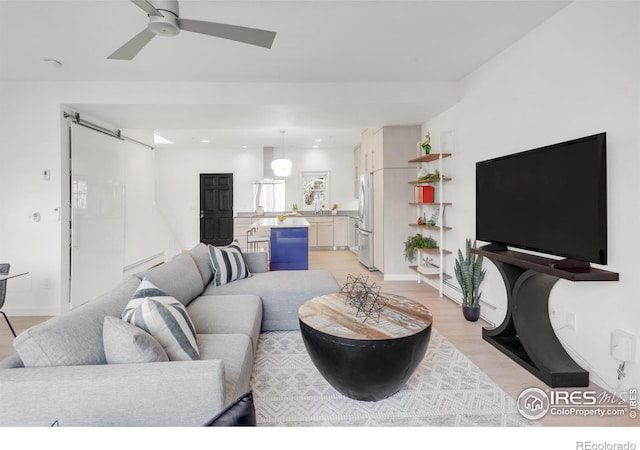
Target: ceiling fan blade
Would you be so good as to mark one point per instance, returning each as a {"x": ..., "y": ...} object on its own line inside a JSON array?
[
  {"x": 147, "y": 7},
  {"x": 253, "y": 36},
  {"x": 133, "y": 46}
]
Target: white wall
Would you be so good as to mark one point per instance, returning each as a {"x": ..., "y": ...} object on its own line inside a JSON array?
[
  {"x": 577, "y": 74},
  {"x": 33, "y": 137},
  {"x": 178, "y": 175},
  {"x": 340, "y": 164},
  {"x": 146, "y": 229}
]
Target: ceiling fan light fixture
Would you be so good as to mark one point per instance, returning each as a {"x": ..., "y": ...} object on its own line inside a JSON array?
[
  {"x": 281, "y": 167},
  {"x": 164, "y": 26},
  {"x": 164, "y": 20}
]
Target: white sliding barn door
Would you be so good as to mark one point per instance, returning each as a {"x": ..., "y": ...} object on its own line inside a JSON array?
[{"x": 97, "y": 213}]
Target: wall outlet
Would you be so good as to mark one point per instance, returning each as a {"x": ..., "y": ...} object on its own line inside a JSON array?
[
  {"x": 571, "y": 321},
  {"x": 46, "y": 174}
]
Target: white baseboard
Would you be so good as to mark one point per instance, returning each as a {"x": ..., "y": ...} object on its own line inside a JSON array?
[{"x": 400, "y": 277}]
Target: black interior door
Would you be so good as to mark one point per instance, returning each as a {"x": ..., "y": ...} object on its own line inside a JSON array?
[{"x": 216, "y": 208}]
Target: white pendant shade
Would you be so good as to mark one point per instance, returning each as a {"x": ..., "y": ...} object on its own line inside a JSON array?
[{"x": 281, "y": 167}]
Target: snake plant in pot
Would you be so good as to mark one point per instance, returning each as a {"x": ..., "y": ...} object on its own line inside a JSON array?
[{"x": 470, "y": 274}]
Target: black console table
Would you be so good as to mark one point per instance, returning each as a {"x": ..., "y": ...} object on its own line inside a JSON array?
[{"x": 526, "y": 334}]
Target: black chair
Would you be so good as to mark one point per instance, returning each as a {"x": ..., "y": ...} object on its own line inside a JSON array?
[{"x": 4, "y": 269}]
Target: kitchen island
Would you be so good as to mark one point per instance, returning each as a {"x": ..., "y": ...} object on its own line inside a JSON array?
[{"x": 289, "y": 242}]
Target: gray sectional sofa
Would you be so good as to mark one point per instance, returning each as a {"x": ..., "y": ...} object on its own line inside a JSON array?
[{"x": 59, "y": 373}]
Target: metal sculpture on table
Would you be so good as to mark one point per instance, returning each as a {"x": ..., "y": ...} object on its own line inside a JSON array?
[{"x": 364, "y": 297}]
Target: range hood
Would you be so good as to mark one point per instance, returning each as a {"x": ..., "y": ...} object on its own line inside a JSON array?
[{"x": 269, "y": 195}]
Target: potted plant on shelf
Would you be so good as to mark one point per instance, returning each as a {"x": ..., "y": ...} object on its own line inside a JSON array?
[
  {"x": 470, "y": 274},
  {"x": 426, "y": 145},
  {"x": 415, "y": 242}
]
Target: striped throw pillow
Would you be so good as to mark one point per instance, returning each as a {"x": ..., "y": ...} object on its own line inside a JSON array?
[
  {"x": 164, "y": 318},
  {"x": 227, "y": 263}
]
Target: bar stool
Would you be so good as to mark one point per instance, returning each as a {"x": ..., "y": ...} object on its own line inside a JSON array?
[{"x": 254, "y": 239}]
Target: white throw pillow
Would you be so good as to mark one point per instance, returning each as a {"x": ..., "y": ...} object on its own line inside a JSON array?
[
  {"x": 164, "y": 318},
  {"x": 227, "y": 263},
  {"x": 127, "y": 344}
]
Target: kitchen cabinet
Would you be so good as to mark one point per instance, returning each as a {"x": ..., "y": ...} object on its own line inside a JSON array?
[
  {"x": 378, "y": 220},
  {"x": 389, "y": 149},
  {"x": 365, "y": 150},
  {"x": 377, "y": 148},
  {"x": 325, "y": 234},
  {"x": 320, "y": 231},
  {"x": 357, "y": 163},
  {"x": 340, "y": 231},
  {"x": 371, "y": 150},
  {"x": 289, "y": 248},
  {"x": 325, "y": 231},
  {"x": 313, "y": 233}
]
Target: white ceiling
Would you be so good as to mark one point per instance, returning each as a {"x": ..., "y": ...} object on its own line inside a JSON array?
[{"x": 317, "y": 42}]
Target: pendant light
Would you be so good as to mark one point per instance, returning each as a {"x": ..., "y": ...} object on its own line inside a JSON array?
[{"x": 281, "y": 167}]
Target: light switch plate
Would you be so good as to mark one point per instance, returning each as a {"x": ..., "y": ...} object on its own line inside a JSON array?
[{"x": 623, "y": 346}]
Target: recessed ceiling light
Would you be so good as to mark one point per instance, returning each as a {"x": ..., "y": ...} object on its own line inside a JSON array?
[
  {"x": 157, "y": 139},
  {"x": 244, "y": 146},
  {"x": 318, "y": 140},
  {"x": 315, "y": 146},
  {"x": 205, "y": 141}
]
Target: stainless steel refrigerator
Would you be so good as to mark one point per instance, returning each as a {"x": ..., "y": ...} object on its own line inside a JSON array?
[{"x": 365, "y": 221}]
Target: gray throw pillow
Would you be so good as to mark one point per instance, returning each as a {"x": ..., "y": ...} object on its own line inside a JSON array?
[{"x": 127, "y": 344}]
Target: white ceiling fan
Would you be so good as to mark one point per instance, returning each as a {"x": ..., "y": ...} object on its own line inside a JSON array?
[{"x": 165, "y": 20}]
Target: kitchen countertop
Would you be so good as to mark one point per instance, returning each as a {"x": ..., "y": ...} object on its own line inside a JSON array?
[
  {"x": 252, "y": 214},
  {"x": 289, "y": 222}
]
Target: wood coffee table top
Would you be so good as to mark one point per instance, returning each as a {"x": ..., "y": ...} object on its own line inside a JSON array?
[{"x": 330, "y": 314}]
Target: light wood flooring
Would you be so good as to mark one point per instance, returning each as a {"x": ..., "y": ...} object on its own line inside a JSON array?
[{"x": 448, "y": 321}]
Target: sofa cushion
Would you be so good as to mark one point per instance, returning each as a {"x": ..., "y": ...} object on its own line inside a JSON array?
[
  {"x": 75, "y": 337},
  {"x": 227, "y": 314},
  {"x": 164, "y": 318},
  {"x": 236, "y": 352},
  {"x": 179, "y": 278},
  {"x": 257, "y": 262},
  {"x": 228, "y": 264},
  {"x": 282, "y": 293},
  {"x": 127, "y": 344},
  {"x": 200, "y": 255},
  {"x": 179, "y": 393}
]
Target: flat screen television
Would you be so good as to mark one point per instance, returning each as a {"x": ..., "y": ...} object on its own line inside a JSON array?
[{"x": 551, "y": 200}]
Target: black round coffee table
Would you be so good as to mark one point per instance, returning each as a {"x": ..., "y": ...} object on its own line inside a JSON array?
[{"x": 368, "y": 360}]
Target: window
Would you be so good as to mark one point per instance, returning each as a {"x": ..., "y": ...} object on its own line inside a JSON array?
[{"x": 315, "y": 190}]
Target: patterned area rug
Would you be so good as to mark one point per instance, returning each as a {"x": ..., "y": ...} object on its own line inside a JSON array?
[{"x": 447, "y": 389}]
